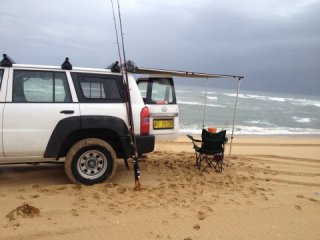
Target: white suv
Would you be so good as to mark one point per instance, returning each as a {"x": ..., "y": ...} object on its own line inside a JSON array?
[{"x": 78, "y": 115}]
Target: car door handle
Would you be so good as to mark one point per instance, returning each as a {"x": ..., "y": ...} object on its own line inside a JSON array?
[{"x": 67, "y": 111}]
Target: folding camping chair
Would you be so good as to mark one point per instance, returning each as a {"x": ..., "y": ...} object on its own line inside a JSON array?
[{"x": 211, "y": 152}]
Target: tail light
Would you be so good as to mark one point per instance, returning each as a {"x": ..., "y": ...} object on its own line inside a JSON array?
[{"x": 144, "y": 121}]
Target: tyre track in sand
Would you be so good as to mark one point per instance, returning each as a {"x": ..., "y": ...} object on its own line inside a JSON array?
[{"x": 305, "y": 175}]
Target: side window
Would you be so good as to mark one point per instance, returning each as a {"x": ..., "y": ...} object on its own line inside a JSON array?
[
  {"x": 92, "y": 88},
  {"x": 1, "y": 75},
  {"x": 99, "y": 88},
  {"x": 40, "y": 86},
  {"x": 62, "y": 91},
  {"x": 143, "y": 87},
  {"x": 162, "y": 91}
]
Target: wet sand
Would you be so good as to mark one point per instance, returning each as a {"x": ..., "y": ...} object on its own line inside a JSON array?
[{"x": 270, "y": 190}]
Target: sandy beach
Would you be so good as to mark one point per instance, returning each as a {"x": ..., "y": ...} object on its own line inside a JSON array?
[{"x": 269, "y": 190}]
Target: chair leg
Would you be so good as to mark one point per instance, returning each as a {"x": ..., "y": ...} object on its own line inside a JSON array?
[
  {"x": 198, "y": 160},
  {"x": 208, "y": 161},
  {"x": 219, "y": 159},
  {"x": 218, "y": 167}
]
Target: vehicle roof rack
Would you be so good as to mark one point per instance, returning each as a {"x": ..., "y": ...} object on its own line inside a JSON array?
[
  {"x": 6, "y": 61},
  {"x": 66, "y": 65}
]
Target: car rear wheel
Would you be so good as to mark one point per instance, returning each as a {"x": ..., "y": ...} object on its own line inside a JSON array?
[{"x": 90, "y": 161}]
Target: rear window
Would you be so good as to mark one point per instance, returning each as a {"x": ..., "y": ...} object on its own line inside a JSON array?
[
  {"x": 157, "y": 90},
  {"x": 98, "y": 88},
  {"x": 162, "y": 92}
]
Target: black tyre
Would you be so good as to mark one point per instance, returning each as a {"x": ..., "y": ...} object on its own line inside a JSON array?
[{"x": 90, "y": 161}]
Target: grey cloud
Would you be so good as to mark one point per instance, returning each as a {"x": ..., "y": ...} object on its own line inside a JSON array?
[{"x": 275, "y": 44}]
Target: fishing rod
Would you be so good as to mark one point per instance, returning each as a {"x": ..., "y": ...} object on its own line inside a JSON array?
[
  {"x": 116, "y": 31},
  {"x": 118, "y": 68},
  {"x": 128, "y": 98}
]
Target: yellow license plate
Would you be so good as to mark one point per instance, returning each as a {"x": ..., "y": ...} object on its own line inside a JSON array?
[{"x": 163, "y": 124}]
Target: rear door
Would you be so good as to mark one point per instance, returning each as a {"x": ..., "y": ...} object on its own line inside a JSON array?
[{"x": 158, "y": 93}]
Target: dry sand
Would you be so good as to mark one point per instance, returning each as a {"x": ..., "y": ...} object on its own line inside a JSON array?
[{"x": 271, "y": 190}]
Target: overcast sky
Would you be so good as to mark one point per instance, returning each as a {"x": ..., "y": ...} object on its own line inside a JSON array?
[{"x": 275, "y": 44}]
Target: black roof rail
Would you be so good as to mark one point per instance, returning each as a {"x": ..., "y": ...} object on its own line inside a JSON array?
[
  {"x": 66, "y": 65},
  {"x": 6, "y": 61}
]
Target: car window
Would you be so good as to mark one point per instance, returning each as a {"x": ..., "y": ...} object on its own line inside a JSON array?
[
  {"x": 62, "y": 91},
  {"x": 1, "y": 75},
  {"x": 92, "y": 88},
  {"x": 162, "y": 92},
  {"x": 40, "y": 86},
  {"x": 143, "y": 87},
  {"x": 99, "y": 88}
]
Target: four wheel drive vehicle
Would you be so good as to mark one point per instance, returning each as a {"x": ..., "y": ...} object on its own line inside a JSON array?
[{"x": 79, "y": 116}]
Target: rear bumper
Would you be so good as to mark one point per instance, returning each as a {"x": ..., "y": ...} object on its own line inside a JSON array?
[{"x": 145, "y": 144}]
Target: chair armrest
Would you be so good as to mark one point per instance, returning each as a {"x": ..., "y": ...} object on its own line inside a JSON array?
[
  {"x": 195, "y": 146},
  {"x": 193, "y": 139},
  {"x": 189, "y": 136}
]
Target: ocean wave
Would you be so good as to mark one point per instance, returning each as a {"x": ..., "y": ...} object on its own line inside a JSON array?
[
  {"x": 209, "y": 92},
  {"x": 304, "y": 102},
  {"x": 212, "y": 98},
  {"x": 261, "y": 122},
  {"x": 301, "y": 120},
  {"x": 215, "y": 105},
  {"x": 317, "y": 104},
  {"x": 295, "y": 101},
  {"x": 200, "y": 104},
  {"x": 254, "y": 130},
  {"x": 183, "y": 91},
  {"x": 190, "y": 103},
  {"x": 258, "y": 97}
]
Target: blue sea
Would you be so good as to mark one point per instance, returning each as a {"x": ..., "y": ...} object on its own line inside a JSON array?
[{"x": 258, "y": 113}]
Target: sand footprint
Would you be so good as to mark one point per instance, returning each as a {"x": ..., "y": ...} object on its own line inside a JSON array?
[
  {"x": 196, "y": 227},
  {"x": 201, "y": 215},
  {"x": 297, "y": 207}
]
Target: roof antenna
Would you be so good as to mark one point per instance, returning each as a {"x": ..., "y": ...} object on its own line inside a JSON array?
[{"x": 124, "y": 71}]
